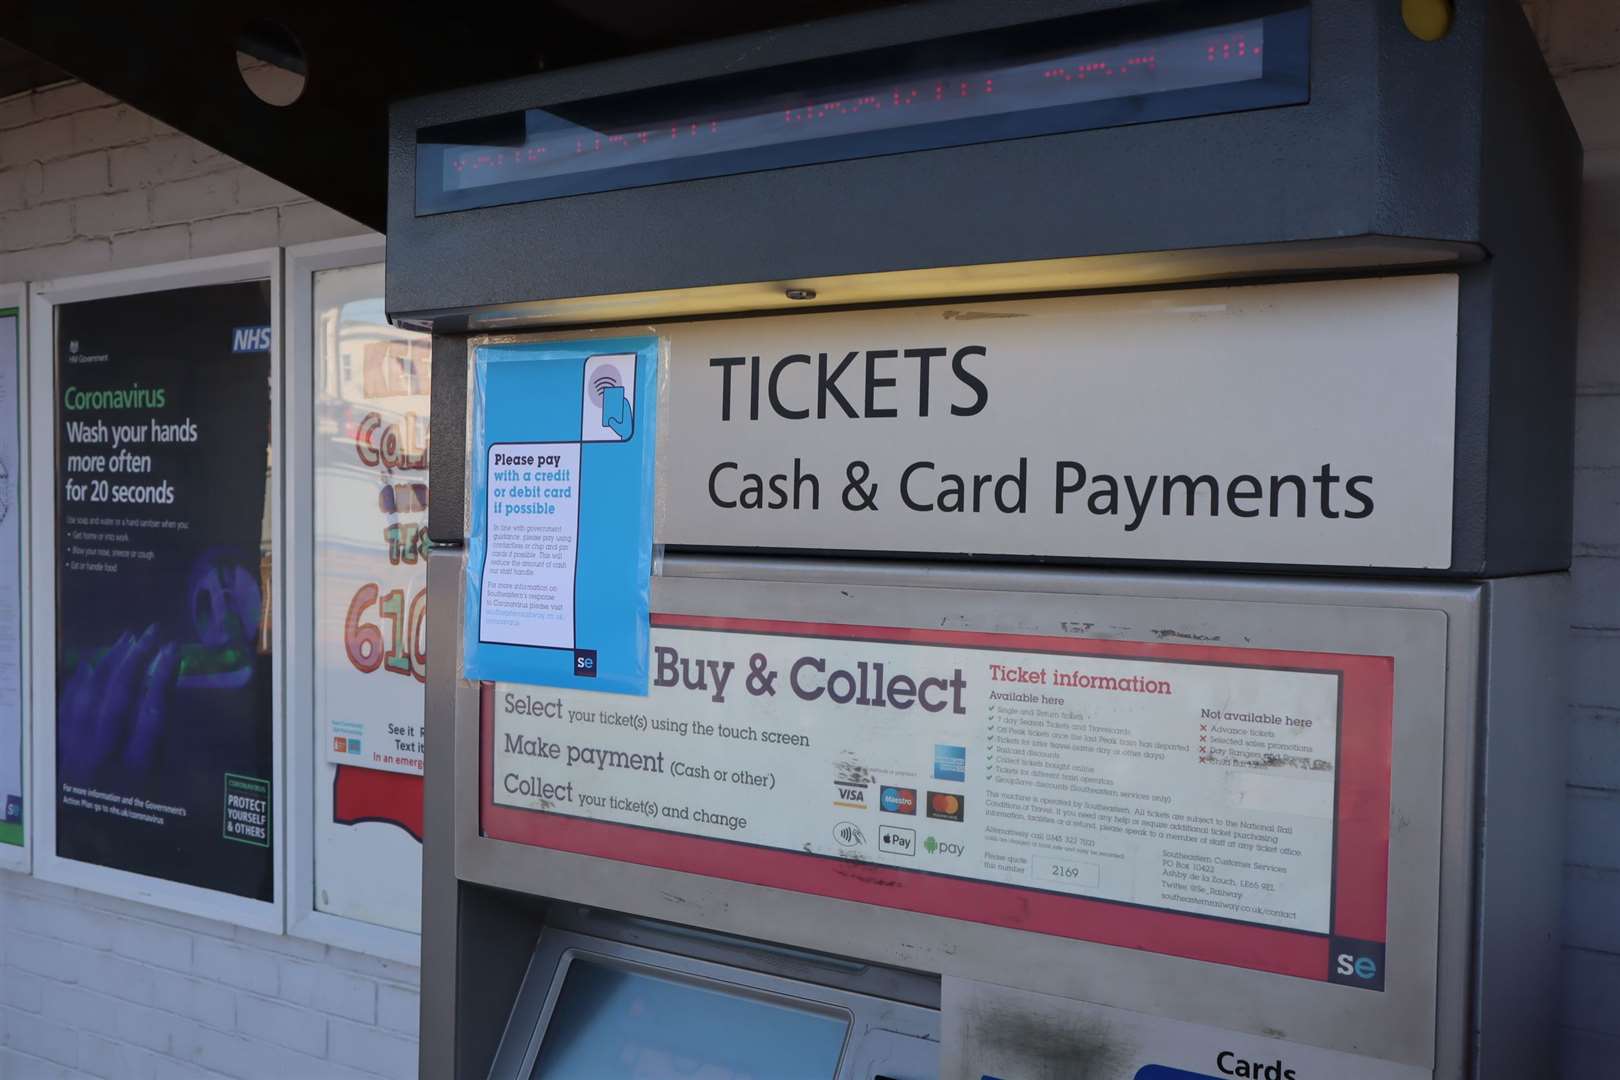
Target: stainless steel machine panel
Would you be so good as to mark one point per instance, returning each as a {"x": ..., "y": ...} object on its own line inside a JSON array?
[{"x": 1430, "y": 633}]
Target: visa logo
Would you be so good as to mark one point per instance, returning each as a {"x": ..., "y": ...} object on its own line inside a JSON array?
[{"x": 245, "y": 339}]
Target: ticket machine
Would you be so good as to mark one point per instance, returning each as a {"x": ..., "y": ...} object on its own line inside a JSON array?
[{"x": 1111, "y": 502}]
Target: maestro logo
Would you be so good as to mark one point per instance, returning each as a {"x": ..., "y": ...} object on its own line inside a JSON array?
[
  {"x": 898, "y": 800},
  {"x": 945, "y": 806}
]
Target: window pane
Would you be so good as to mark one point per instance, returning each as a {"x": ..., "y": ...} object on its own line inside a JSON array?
[{"x": 370, "y": 516}]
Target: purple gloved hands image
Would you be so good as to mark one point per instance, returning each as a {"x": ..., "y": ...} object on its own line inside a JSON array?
[{"x": 112, "y": 709}]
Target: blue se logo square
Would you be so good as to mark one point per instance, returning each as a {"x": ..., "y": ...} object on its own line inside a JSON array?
[
  {"x": 1352, "y": 962},
  {"x": 585, "y": 663}
]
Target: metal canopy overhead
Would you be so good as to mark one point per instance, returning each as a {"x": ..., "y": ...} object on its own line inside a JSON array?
[
  {"x": 21, "y": 71},
  {"x": 180, "y": 65}
]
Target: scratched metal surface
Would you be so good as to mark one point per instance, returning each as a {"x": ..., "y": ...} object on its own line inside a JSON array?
[{"x": 1431, "y": 630}]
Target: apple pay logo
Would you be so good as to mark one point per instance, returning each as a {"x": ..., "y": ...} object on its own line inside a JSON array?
[{"x": 897, "y": 841}]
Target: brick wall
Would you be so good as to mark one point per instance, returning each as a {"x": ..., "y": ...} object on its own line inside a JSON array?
[
  {"x": 92, "y": 986},
  {"x": 89, "y": 184},
  {"x": 1581, "y": 39}
]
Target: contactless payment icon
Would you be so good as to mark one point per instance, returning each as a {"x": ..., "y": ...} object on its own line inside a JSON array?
[{"x": 609, "y": 408}]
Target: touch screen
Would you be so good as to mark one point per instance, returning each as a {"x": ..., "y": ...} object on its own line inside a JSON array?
[{"x": 613, "y": 1022}]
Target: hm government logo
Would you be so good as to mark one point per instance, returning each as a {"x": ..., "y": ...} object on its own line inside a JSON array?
[{"x": 76, "y": 357}]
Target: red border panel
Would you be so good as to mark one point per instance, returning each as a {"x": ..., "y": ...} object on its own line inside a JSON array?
[{"x": 1362, "y": 837}]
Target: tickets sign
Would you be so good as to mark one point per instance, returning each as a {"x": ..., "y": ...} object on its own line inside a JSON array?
[{"x": 1309, "y": 423}]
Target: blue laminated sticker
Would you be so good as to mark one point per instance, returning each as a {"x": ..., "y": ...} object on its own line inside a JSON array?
[{"x": 559, "y": 553}]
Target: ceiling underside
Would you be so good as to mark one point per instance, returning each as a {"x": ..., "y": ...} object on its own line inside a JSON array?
[
  {"x": 21, "y": 70},
  {"x": 331, "y": 143}
]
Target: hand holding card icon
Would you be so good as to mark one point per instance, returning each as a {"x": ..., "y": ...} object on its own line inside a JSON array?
[{"x": 617, "y": 415}]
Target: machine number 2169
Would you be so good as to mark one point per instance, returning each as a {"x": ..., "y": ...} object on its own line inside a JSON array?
[{"x": 403, "y": 650}]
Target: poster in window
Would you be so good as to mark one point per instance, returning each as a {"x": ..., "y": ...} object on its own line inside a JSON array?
[
  {"x": 165, "y": 722},
  {"x": 370, "y": 519}
]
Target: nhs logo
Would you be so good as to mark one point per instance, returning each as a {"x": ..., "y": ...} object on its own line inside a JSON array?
[{"x": 246, "y": 339}]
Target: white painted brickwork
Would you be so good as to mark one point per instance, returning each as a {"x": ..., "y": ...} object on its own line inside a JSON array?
[
  {"x": 95, "y": 987},
  {"x": 88, "y": 184},
  {"x": 92, "y": 986}
]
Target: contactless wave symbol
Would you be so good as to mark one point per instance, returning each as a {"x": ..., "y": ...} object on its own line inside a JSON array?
[
  {"x": 608, "y": 398},
  {"x": 848, "y": 834},
  {"x": 606, "y": 378},
  {"x": 610, "y": 395}
]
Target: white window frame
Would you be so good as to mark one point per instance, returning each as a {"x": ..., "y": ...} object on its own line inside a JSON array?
[
  {"x": 20, "y": 859},
  {"x": 260, "y": 265},
  {"x": 304, "y": 757}
]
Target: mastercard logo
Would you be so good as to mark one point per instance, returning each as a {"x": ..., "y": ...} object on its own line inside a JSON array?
[{"x": 945, "y": 805}]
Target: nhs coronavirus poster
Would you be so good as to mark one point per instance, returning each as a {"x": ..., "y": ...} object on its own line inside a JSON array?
[
  {"x": 560, "y": 550},
  {"x": 164, "y": 681}
]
